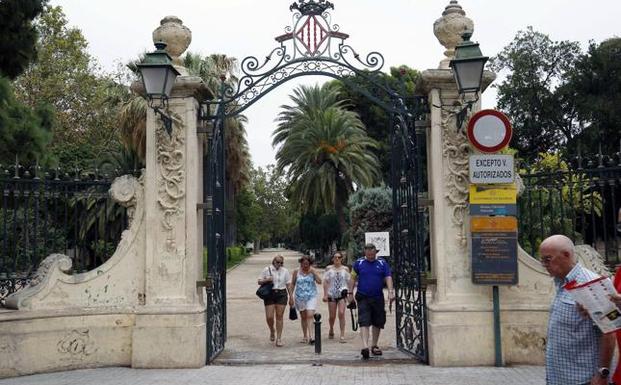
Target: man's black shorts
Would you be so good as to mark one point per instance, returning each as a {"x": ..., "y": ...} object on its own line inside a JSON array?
[{"x": 371, "y": 311}]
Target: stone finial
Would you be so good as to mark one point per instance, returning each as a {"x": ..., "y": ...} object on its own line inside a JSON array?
[
  {"x": 176, "y": 36},
  {"x": 449, "y": 29}
]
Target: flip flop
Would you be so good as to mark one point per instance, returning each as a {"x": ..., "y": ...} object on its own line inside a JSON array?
[
  {"x": 331, "y": 336},
  {"x": 279, "y": 343},
  {"x": 272, "y": 336},
  {"x": 342, "y": 340},
  {"x": 376, "y": 351}
]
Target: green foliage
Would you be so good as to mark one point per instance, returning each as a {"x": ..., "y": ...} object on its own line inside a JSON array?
[
  {"x": 273, "y": 217},
  {"x": 67, "y": 78},
  {"x": 536, "y": 93},
  {"x": 596, "y": 81},
  {"x": 324, "y": 151},
  {"x": 24, "y": 132},
  {"x": 18, "y": 36},
  {"x": 376, "y": 120},
  {"x": 370, "y": 210},
  {"x": 553, "y": 201},
  {"x": 234, "y": 256},
  {"x": 248, "y": 216},
  {"x": 319, "y": 232}
]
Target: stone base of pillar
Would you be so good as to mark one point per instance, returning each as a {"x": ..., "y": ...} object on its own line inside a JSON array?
[
  {"x": 49, "y": 341},
  {"x": 464, "y": 335},
  {"x": 161, "y": 341}
]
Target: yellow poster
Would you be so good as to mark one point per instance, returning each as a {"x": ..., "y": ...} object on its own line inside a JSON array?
[{"x": 493, "y": 194}]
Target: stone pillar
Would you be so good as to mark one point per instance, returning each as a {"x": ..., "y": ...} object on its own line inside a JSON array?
[
  {"x": 170, "y": 327},
  {"x": 460, "y": 318},
  {"x": 458, "y": 310}
]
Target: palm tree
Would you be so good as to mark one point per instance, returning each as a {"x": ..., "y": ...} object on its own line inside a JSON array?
[{"x": 325, "y": 151}]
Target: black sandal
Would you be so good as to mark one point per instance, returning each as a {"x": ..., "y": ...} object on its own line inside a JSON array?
[
  {"x": 376, "y": 351},
  {"x": 365, "y": 353}
]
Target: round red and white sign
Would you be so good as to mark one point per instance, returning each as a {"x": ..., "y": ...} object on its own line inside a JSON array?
[{"x": 489, "y": 131}]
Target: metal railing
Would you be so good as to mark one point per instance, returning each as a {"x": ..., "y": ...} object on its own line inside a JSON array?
[
  {"x": 580, "y": 199},
  {"x": 54, "y": 211}
]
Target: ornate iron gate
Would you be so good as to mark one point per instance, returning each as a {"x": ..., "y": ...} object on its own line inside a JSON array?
[{"x": 315, "y": 46}]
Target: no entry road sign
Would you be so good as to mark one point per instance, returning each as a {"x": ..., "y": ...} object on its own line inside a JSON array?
[{"x": 489, "y": 131}]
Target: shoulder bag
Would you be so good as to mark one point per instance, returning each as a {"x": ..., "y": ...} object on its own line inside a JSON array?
[{"x": 265, "y": 290}]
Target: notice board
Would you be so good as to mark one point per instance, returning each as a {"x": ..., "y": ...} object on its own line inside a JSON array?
[{"x": 494, "y": 250}]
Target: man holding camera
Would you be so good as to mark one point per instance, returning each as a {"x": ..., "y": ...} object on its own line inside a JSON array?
[{"x": 369, "y": 275}]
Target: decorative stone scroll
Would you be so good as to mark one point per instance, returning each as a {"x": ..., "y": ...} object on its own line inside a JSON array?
[
  {"x": 53, "y": 274},
  {"x": 171, "y": 175},
  {"x": 456, "y": 149}
]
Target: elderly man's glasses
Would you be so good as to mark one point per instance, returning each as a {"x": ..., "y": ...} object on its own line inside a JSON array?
[
  {"x": 278, "y": 262},
  {"x": 546, "y": 259}
]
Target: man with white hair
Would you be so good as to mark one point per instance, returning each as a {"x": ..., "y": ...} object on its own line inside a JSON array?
[{"x": 577, "y": 353}]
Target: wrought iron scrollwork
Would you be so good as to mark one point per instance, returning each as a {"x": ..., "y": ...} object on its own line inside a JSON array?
[{"x": 312, "y": 45}]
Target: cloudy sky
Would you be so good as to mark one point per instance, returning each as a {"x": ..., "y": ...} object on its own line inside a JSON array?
[{"x": 402, "y": 30}]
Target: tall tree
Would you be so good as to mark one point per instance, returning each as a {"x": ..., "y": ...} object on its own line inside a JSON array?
[
  {"x": 535, "y": 93},
  {"x": 357, "y": 90},
  {"x": 68, "y": 78},
  {"x": 325, "y": 153},
  {"x": 24, "y": 132},
  {"x": 596, "y": 85},
  {"x": 18, "y": 35}
]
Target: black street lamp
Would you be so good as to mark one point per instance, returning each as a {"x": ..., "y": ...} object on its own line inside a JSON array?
[
  {"x": 468, "y": 66},
  {"x": 158, "y": 77}
]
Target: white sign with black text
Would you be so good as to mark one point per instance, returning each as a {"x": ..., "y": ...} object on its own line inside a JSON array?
[
  {"x": 381, "y": 241},
  {"x": 491, "y": 169}
]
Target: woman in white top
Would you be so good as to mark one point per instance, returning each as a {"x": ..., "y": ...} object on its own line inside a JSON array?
[
  {"x": 335, "y": 280},
  {"x": 276, "y": 303}
]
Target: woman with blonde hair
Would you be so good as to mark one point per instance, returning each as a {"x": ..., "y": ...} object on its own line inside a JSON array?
[{"x": 276, "y": 303}]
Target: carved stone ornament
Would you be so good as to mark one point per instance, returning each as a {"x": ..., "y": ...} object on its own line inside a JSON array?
[
  {"x": 171, "y": 176},
  {"x": 456, "y": 150},
  {"x": 450, "y": 28},
  {"x": 77, "y": 344},
  {"x": 176, "y": 36}
]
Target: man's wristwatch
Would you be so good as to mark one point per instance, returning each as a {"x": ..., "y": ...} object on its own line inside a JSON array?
[{"x": 603, "y": 372}]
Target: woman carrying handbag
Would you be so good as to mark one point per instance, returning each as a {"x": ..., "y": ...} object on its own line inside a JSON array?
[{"x": 276, "y": 303}]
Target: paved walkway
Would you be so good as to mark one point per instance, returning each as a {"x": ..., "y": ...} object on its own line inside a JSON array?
[
  {"x": 292, "y": 375},
  {"x": 250, "y": 358},
  {"x": 248, "y": 335}
]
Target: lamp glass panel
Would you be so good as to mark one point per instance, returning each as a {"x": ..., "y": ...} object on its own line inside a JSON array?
[
  {"x": 170, "y": 81},
  {"x": 154, "y": 78},
  {"x": 468, "y": 74}
]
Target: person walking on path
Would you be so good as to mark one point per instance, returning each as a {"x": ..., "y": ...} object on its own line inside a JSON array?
[
  {"x": 276, "y": 303},
  {"x": 335, "y": 282},
  {"x": 304, "y": 295},
  {"x": 369, "y": 275},
  {"x": 576, "y": 350}
]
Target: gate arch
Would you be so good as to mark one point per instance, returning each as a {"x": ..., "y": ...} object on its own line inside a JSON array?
[{"x": 312, "y": 45}]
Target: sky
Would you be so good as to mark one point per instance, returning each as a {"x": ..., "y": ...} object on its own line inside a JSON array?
[{"x": 402, "y": 30}]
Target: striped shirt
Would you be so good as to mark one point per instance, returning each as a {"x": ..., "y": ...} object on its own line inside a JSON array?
[{"x": 572, "y": 348}]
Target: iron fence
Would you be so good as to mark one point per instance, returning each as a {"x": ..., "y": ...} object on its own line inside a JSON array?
[
  {"x": 580, "y": 198},
  {"x": 54, "y": 211}
]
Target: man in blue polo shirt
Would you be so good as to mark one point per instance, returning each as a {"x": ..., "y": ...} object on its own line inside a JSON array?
[{"x": 370, "y": 274}]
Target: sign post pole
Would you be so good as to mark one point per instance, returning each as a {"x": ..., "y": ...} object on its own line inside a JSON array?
[
  {"x": 493, "y": 211},
  {"x": 497, "y": 336}
]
